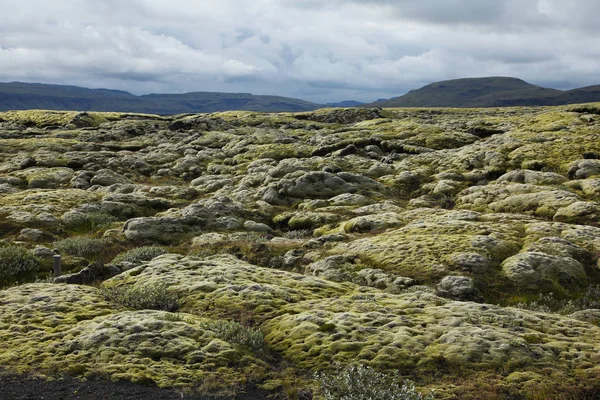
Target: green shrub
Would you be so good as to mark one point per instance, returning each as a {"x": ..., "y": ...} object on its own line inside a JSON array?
[
  {"x": 359, "y": 382},
  {"x": 90, "y": 222},
  {"x": 15, "y": 263},
  {"x": 549, "y": 303},
  {"x": 82, "y": 247},
  {"x": 144, "y": 298},
  {"x": 140, "y": 254},
  {"x": 236, "y": 333}
]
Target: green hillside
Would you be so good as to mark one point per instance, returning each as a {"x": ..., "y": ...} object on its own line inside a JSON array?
[
  {"x": 24, "y": 96},
  {"x": 488, "y": 92}
]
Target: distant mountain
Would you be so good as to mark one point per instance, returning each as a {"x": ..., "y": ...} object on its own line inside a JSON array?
[
  {"x": 345, "y": 103},
  {"x": 488, "y": 92},
  {"x": 23, "y": 96},
  {"x": 469, "y": 92},
  {"x": 586, "y": 94}
]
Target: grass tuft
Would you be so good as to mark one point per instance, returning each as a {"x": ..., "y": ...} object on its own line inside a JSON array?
[
  {"x": 236, "y": 333},
  {"x": 90, "y": 222},
  {"x": 144, "y": 298}
]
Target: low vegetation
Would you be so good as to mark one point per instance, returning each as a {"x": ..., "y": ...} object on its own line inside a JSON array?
[
  {"x": 16, "y": 263},
  {"x": 158, "y": 297},
  {"x": 138, "y": 255},
  {"x": 233, "y": 332},
  {"x": 90, "y": 222},
  {"x": 359, "y": 382},
  {"x": 550, "y": 303},
  {"x": 82, "y": 246}
]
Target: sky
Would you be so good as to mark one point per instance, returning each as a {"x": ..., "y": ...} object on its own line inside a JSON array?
[{"x": 321, "y": 51}]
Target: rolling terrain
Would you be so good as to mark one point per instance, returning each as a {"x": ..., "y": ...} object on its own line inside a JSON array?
[{"x": 305, "y": 255}]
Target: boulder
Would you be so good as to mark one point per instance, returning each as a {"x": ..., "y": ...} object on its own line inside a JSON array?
[
  {"x": 541, "y": 271},
  {"x": 157, "y": 229},
  {"x": 107, "y": 177},
  {"x": 46, "y": 178},
  {"x": 315, "y": 185},
  {"x": 34, "y": 235},
  {"x": 578, "y": 212},
  {"x": 7, "y": 188},
  {"x": 257, "y": 227},
  {"x": 96, "y": 272},
  {"x": 349, "y": 199},
  {"x": 457, "y": 287},
  {"x": 373, "y": 223},
  {"x": 582, "y": 169},
  {"x": 533, "y": 177}
]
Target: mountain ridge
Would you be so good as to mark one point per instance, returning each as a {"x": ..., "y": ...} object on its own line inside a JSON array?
[
  {"x": 461, "y": 93},
  {"x": 488, "y": 92},
  {"x": 23, "y": 96}
]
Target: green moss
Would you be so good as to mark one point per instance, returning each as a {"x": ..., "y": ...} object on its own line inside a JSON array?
[
  {"x": 273, "y": 151},
  {"x": 40, "y": 117},
  {"x": 423, "y": 250},
  {"x": 72, "y": 329},
  {"x": 225, "y": 287},
  {"x": 43, "y": 118},
  {"x": 463, "y": 349},
  {"x": 61, "y": 200}
]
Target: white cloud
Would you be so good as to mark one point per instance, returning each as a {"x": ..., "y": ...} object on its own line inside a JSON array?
[{"x": 305, "y": 48}]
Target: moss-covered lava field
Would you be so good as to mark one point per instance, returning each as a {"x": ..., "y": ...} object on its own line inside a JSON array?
[{"x": 208, "y": 253}]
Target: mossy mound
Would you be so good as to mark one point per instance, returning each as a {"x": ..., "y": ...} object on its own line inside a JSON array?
[
  {"x": 71, "y": 119},
  {"x": 421, "y": 334},
  {"x": 426, "y": 246},
  {"x": 69, "y": 329},
  {"x": 311, "y": 321},
  {"x": 532, "y": 255},
  {"x": 224, "y": 286}
]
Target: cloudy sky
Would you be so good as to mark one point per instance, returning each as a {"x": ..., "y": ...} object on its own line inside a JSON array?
[{"x": 317, "y": 50}]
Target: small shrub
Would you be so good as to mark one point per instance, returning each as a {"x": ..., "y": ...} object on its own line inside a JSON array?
[
  {"x": 144, "y": 298},
  {"x": 549, "y": 303},
  {"x": 299, "y": 234},
  {"x": 15, "y": 263},
  {"x": 236, "y": 333},
  {"x": 90, "y": 222},
  {"x": 359, "y": 382},
  {"x": 140, "y": 254},
  {"x": 82, "y": 247}
]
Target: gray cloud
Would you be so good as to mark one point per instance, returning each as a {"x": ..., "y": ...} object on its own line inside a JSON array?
[{"x": 343, "y": 49}]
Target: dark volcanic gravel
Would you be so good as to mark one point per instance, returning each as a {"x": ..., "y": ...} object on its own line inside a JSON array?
[{"x": 25, "y": 387}]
